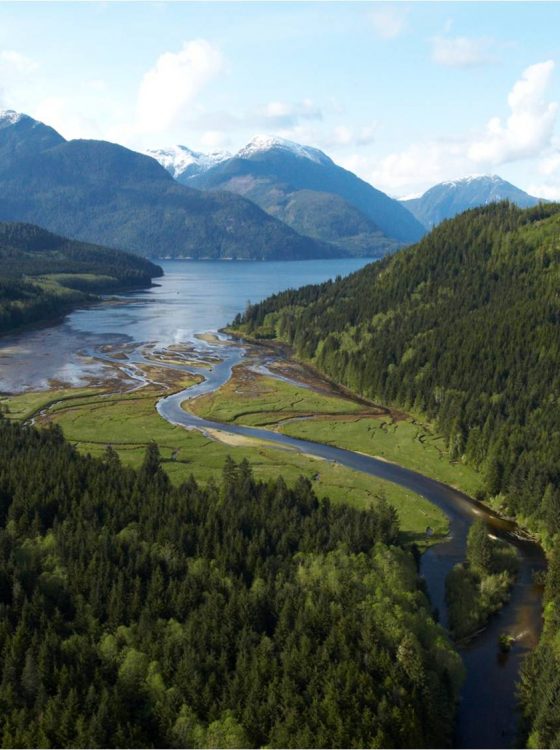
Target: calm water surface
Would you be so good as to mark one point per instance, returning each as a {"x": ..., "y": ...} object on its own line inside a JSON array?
[
  {"x": 192, "y": 297},
  {"x": 197, "y": 296}
]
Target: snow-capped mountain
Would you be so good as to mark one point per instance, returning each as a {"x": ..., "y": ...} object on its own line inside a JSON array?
[
  {"x": 447, "y": 199},
  {"x": 24, "y": 136},
  {"x": 303, "y": 187},
  {"x": 264, "y": 144},
  {"x": 9, "y": 117},
  {"x": 182, "y": 161},
  {"x": 103, "y": 193}
]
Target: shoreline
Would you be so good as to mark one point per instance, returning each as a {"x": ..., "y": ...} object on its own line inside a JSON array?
[
  {"x": 286, "y": 352},
  {"x": 86, "y": 303}
]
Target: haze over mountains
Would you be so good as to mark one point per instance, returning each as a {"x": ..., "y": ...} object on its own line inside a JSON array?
[
  {"x": 447, "y": 199},
  {"x": 101, "y": 192}
]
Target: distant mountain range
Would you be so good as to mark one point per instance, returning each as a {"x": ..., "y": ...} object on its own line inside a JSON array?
[
  {"x": 272, "y": 200},
  {"x": 104, "y": 193},
  {"x": 304, "y": 188},
  {"x": 446, "y": 200}
]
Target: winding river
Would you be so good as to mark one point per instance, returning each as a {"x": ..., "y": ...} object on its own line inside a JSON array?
[{"x": 487, "y": 715}]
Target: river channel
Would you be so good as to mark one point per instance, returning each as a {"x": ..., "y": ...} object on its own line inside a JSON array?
[{"x": 196, "y": 297}]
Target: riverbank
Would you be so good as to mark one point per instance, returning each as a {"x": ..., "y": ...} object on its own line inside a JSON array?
[
  {"x": 110, "y": 413},
  {"x": 487, "y": 712}
]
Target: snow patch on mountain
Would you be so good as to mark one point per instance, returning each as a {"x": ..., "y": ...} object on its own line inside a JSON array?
[
  {"x": 9, "y": 117},
  {"x": 474, "y": 178},
  {"x": 179, "y": 160},
  {"x": 263, "y": 143}
]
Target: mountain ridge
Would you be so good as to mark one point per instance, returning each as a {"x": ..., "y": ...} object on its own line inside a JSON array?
[
  {"x": 300, "y": 185},
  {"x": 102, "y": 192},
  {"x": 447, "y": 199}
]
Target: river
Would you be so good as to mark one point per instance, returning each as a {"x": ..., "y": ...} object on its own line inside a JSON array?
[{"x": 196, "y": 297}]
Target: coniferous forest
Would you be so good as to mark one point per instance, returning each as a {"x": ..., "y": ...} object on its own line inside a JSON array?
[
  {"x": 43, "y": 275},
  {"x": 239, "y": 614},
  {"x": 463, "y": 327}
]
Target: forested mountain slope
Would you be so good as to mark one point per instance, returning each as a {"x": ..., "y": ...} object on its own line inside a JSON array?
[
  {"x": 303, "y": 187},
  {"x": 42, "y": 274},
  {"x": 465, "y": 327},
  {"x": 100, "y": 192},
  {"x": 138, "y": 614}
]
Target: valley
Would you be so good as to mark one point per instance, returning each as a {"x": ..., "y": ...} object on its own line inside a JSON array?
[
  {"x": 250, "y": 402},
  {"x": 279, "y": 375}
]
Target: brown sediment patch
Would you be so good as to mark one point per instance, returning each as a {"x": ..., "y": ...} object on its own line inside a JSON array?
[
  {"x": 167, "y": 377},
  {"x": 180, "y": 348},
  {"x": 112, "y": 381},
  {"x": 210, "y": 338},
  {"x": 351, "y": 416},
  {"x": 234, "y": 440},
  {"x": 118, "y": 351},
  {"x": 180, "y": 362}
]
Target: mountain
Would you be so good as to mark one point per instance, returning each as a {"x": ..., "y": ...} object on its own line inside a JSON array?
[
  {"x": 104, "y": 193},
  {"x": 43, "y": 275},
  {"x": 21, "y": 136},
  {"x": 303, "y": 187},
  {"x": 448, "y": 199},
  {"x": 463, "y": 327},
  {"x": 180, "y": 161}
]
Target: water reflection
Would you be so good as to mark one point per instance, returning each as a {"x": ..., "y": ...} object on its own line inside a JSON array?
[{"x": 192, "y": 297}]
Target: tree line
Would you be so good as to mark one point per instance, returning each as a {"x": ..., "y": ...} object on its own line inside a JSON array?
[
  {"x": 464, "y": 327},
  {"x": 134, "y": 613},
  {"x": 44, "y": 275}
]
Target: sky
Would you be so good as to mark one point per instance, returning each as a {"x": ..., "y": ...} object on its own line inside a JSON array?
[{"x": 405, "y": 94}]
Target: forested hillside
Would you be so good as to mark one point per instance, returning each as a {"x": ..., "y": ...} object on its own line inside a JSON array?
[
  {"x": 464, "y": 327},
  {"x": 242, "y": 614},
  {"x": 43, "y": 275},
  {"x": 101, "y": 192}
]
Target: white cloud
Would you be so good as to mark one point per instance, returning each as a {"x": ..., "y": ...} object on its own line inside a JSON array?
[
  {"x": 17, "y": 62},
  {"x": 421, "y": 164},
  {"x": 214, "y": 139},
  {"x": 338, "y": 138},
  {"x": 173, "y": 83},
  {"x": 344, "y": 135},
  {"x": 388, "y": 22},
  {"x": 530, "y": 125},
  {"x": 287, "y": 114},
  {"x": 526, "y": 132},
  {"x": 550, "y": 164},
  {"x": 547, "y": 190},
  {"x": 62, "y": 114},
  {"x": 461, "y": 51}
]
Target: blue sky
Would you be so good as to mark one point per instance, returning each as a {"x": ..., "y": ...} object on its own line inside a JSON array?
[{"x": 404, "y": 94}]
